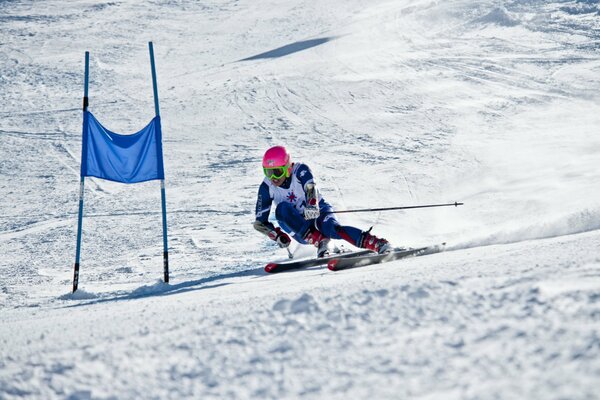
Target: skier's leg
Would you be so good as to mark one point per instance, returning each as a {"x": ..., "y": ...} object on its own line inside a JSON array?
[
  {"x": 329, "y": 225},
  {"x": 291, "y": 221}
]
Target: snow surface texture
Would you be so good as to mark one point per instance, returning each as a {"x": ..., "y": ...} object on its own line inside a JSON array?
[{"x": 391, "y": 103}]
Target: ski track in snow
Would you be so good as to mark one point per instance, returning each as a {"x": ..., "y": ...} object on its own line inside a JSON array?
[{"x": 390, "y": 103}]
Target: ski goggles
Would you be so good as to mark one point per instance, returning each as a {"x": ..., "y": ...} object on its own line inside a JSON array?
[{"x": 275, "y": 172}]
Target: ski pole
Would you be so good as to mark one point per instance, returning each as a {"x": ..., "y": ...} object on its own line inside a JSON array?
[{"x": 455, "y": 204}]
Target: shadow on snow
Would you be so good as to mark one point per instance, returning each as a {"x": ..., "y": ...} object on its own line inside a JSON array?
[
  {"x": 290, "y": 49},
  {"x": 162, "y": 289}
]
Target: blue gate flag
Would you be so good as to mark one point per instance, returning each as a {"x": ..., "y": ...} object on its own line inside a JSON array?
[{"x": 122, "y": 158}]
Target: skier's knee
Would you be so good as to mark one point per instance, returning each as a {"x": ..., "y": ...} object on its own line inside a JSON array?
[{"x": 283, "y": 210}]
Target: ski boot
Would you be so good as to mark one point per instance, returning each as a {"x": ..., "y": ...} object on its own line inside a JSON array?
[
  {"x": 316, "y": 238},
  {"x": 373, "y": 243},
  {"x": 323, "y": 248}
]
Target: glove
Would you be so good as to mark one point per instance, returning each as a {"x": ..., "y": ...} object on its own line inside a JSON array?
[
  {"x": 282, "y": 239},
  {"x": 311, "y": 211}
]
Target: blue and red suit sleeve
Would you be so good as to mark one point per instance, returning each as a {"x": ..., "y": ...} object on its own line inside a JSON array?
[
  {"x": 304, "y": 175},
  {"x": 263, "y": 204}
]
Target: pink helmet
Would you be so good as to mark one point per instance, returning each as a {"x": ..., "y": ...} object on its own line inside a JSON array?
[{"x": 277, "y": 157}]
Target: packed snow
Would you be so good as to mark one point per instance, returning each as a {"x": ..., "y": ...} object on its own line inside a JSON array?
[{"x": 391, "y": 103}]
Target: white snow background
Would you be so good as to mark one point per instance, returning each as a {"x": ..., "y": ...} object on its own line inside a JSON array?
[{"x": 403, "y": 102}]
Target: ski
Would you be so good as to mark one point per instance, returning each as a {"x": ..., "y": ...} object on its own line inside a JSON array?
[
  {"x": 311, "y": 262},
  {"x": 368, "y": 259}
]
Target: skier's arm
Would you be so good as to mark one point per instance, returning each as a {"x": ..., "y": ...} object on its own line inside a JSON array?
[
  {"x": 273, "y": 233},
  {"x": 262, "y": 224},
  {"x": 311, "y": 211},
  {"x": 263, "y": 204}
]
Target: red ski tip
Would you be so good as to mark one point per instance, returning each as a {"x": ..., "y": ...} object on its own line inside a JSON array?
[
  {"x": 333, "y": 264},
  {"x": 270, "y": 267}
]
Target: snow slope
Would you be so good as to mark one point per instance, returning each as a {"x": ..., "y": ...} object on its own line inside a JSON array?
[{"x": 390, "y": 103}]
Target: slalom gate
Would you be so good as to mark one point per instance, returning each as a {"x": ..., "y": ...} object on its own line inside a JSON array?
[{"x": 121, "y": 158}]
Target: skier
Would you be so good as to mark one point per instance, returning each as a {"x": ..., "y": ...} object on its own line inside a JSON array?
[{"x": 300, "y": 211}]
